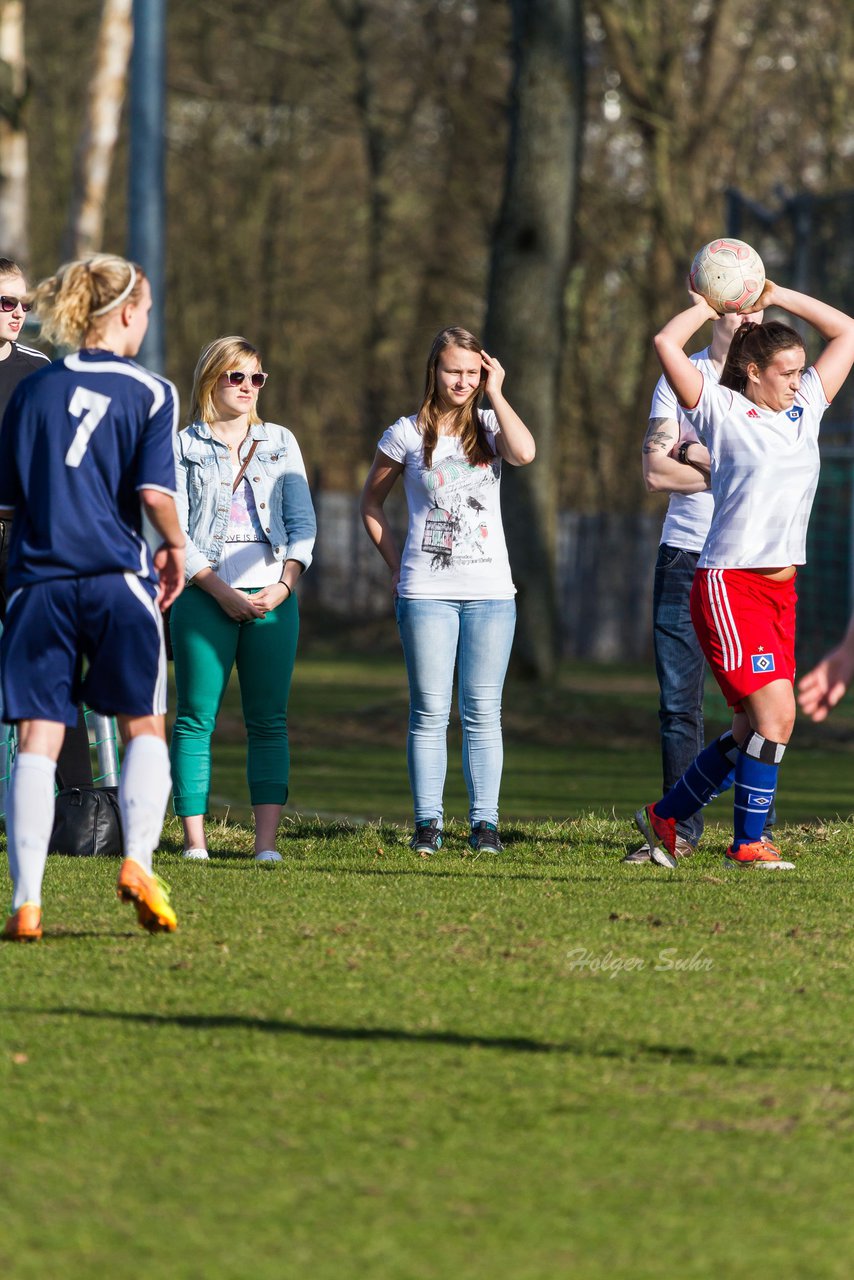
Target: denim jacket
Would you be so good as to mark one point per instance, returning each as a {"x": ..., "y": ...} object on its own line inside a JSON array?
[{"x": 279, "y": 485}]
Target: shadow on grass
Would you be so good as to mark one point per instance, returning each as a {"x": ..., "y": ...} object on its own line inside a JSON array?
[
  {"x": 118, "y": 935},
  {"x": 314, "y": 828},
  {"x": 431, "y": 872},
  {"x": 674, "y": 1054},
  {"x": 58, "y": 931},
  {"x": 245, "y": 864}
]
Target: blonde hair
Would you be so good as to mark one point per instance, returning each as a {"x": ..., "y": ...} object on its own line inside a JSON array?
[
  {"x": 218, "y": 357},
  {"x": 10, "y": 268},
  {"x": 466, "y": 419},
  {"x": 68, "y": 303}
]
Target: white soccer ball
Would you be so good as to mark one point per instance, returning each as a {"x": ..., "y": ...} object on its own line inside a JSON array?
[{"x": 729, "y": 274}]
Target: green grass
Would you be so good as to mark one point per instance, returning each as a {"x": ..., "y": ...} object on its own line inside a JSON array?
[
  {"x": 367, "y": 1064},
  {"x": 588, "y": 744}
]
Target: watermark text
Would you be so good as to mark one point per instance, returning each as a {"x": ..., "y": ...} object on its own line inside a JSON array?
[{"x": 670, "y": 960}]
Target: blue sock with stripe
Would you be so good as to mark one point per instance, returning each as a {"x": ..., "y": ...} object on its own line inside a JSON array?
[
  {"x": 705, "y": 778},
  {"x": 753, "y": 796}
]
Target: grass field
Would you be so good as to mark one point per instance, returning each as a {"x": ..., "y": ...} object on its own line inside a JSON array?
[
  {"x": 364, "y": 1064},
  {"x": 588, "y": 744}
]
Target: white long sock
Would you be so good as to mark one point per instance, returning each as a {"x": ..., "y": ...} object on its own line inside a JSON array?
[
  {"x": 143, "y": 795},
  {"x": 29, "y": 822}
]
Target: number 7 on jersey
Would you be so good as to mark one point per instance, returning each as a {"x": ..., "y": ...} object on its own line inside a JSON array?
[{"x": 89, "y": 407}]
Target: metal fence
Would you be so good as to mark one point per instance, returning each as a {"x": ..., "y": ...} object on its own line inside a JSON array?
[
  {"x": 103, "y": 747},
  {"x": 604, "y": 570}
]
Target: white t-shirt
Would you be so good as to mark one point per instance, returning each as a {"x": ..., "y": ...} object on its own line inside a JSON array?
[
  {"x": 764, "y": 474},
  {"x": 455, "y": 548},
  {"x": 689, "y": 515},
  {"x": 247, "y": 558}
]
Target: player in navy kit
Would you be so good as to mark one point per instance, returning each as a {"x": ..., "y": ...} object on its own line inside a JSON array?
[{"x": 85, "y": 449}]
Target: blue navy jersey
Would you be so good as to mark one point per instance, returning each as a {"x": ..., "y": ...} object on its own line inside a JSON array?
[{"x": 79, "y": 439}]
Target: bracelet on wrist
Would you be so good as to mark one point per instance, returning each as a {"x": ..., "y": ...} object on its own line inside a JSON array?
[{"x": 282, "y": 583}]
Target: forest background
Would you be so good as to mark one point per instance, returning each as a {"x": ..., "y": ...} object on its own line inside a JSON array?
[{"x": 340, "y": 178}]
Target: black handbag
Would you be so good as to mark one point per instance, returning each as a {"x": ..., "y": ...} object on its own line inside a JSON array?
[{"x": 87, "y": 823}]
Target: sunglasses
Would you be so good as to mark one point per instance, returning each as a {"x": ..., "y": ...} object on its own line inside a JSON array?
[
  {"x": 9, "y": 303},
  {"x": 237, "y": 377}
]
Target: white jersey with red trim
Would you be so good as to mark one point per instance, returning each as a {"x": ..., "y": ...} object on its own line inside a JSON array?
[
  {"x": 689, "y": 515},
  {"x": 764, "y": 474}
]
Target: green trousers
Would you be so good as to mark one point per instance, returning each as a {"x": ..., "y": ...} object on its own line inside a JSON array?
[{"x": 207, "y": 644}]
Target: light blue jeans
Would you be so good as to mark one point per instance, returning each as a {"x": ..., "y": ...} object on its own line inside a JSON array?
[{"x": 475, "y": 636}]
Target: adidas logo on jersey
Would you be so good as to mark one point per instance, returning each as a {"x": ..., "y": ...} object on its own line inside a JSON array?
[{"x": 752, "y": 413}]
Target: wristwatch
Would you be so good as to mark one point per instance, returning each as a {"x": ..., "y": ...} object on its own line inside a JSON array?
[{"x": 682, "y": 452}]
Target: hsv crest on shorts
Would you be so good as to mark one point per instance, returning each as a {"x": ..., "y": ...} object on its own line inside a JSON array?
[{"x": 761, "y": 662}]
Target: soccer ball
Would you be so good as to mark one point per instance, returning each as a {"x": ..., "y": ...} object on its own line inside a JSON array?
[{"x": 729, "y": 274}]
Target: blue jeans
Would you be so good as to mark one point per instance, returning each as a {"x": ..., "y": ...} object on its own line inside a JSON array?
[
  {"x": 475, "y": 636},
  {"x": 681, "y": 669}
]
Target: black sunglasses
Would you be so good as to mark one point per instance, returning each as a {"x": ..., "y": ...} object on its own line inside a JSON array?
[
  {"x": 237, "y": 377},
  {"x": 8, "y": 303}
]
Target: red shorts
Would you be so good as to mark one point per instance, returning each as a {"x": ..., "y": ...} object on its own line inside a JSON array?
[{"x": 745, "y": 623}]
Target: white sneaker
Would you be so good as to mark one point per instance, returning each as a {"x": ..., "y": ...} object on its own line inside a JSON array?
[
  {"x": 196, "y": 855},
  {"x": 268, "y": 855}
]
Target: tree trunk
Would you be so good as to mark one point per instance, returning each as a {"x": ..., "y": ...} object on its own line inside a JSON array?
[
  {"x": 381, "y": 132},
  {"x": 14, "y": 169},
  {"x": 85, "y": 230},
  {"x": 525, "y": 316}
]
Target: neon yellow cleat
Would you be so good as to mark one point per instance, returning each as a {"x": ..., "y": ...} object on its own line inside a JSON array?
[{"x": 149, "y": 895}]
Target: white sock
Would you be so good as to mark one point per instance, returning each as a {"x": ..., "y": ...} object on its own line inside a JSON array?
[
  {"x": 143, "y": 795},
  {"x": 29, "y": 822}
]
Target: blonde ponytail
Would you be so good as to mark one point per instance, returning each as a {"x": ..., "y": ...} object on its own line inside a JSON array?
[{"x": 70, "y": 303}]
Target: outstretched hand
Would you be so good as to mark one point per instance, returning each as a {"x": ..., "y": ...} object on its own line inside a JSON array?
[{"x": 821, "y": 689}]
